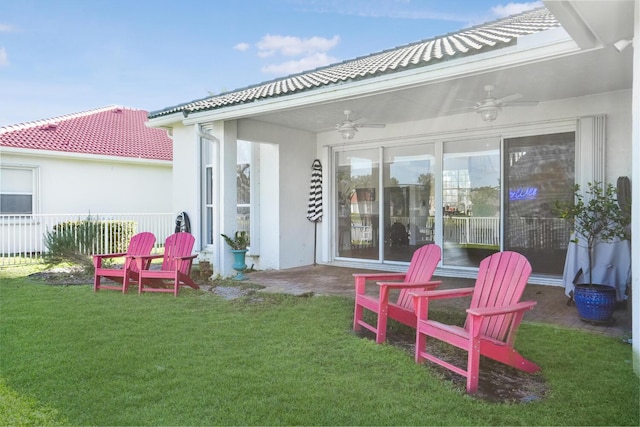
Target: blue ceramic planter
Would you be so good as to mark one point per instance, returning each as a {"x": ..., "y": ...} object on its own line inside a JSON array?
[{"x": 595, "y": 303}]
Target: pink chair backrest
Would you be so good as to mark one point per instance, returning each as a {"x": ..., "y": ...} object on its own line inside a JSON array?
[
  {"x": 423, "y": 263},
  {"x": 177, "y": 245},
  {"x": 501, "y": 280},
  {"x": 140, "y": 244}
]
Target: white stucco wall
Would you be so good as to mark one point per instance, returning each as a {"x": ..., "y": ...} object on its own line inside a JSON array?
[
  {"x": 82, "y": 185},
  {"x": 512, "y": 121},
  {"x": 286, "y": 236},
  {"x": 285, "y": 174},
  {"x": 186, "y": 177}
]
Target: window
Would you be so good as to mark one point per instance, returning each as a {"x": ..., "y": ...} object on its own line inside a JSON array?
[
  {"x": 243, "y": 179},
  {"x": 208, "y": 164},
  {"x": 247, "y": 161},
  {"x": 17, "y": 190}
]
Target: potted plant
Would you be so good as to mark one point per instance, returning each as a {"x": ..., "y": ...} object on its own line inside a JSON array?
[
  {"x": 597, "y": 218},
  {"x": 238, "y": 244}
]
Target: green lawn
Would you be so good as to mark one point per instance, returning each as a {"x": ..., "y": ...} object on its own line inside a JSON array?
[{"x": 72, "y": 357}]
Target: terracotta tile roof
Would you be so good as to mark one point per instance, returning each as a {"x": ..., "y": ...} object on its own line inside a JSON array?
[
  {"x": 482, "y": 38},
  {"x": 109, "y": 131}
]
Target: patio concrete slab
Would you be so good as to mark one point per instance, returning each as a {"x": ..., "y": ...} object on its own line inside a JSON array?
[{"x": 552, "y": 304}]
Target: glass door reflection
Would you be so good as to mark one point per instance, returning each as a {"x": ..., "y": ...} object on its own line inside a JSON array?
[
  {"x": 409, "y": 200},
  {"x": 471, "y": 201},
  {"x": 357, "y": 203}
]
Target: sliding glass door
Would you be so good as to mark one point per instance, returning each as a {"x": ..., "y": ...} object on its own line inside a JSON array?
[
  {"x": 391, "y": 224},
  {"x": 409, "y": 200},
  {"x": 488, "y": 200},
  {"x": 539, "y": 170},
  {"x": 357, "y": 203},
  {"x": 470, "y": 201}
]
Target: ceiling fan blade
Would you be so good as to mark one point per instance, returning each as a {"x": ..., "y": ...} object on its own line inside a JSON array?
[
  {"x": 466, "y": 100},
  {"x": 511, "y": 97},
  {"x": 461, "y": 109},
  {"x": 371, "y": 125},
  {"x": 520, "y": 103}
]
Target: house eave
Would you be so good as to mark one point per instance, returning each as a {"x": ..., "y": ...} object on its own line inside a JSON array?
[
  {"x": 574, "y": 24},
  {"x": 448, "y": 70},
  {"x": 84, "y": 156}
]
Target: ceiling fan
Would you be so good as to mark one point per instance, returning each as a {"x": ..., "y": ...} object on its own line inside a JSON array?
[
  {"x": 489, "y": 107},
  {"x": 348, "y": 127}
]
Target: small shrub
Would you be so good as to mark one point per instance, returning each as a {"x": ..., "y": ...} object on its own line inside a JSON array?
[
  {"x": 71, "y": 241},
  {"x": 76, "y": 241}
]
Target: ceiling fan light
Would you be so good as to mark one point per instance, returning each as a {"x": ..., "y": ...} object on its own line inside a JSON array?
[
  {"x": 348, "y": 133},
  {"x": 488, "y": 114}
]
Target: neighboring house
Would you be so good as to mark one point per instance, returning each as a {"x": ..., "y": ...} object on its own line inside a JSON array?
[
  {"x": 458, "y": 160},
  {"x": 103, "y": 161}
]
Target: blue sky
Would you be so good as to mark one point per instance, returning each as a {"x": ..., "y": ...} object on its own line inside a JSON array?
[{"x": 65, "y": 56}]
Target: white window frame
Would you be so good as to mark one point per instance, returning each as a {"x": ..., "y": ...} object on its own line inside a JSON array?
[
  {"x": 209, "y": 160},
  {"x": 35, "y": 188},
  {"x": 254, "y": 191}
]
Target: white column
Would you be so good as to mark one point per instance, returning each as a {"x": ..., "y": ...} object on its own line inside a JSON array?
[
  {"x": 635, "y": 192},
  {"x": 226, "y": 132}
]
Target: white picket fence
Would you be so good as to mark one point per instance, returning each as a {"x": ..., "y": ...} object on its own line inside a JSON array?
[
  {"x": 22, "y": 237},
  {"x": 472, "y": 230}
]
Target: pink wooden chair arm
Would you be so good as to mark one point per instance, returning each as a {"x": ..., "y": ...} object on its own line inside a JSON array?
[
  {"x": 444, "y": 293},
  {"x": 421, "y": 299},
  {"x": 491, "y": 311},
  {"x": 385, "y": 286},
  {"x": 405, "y": 285},
  {"x": 361, "y": 279},
  {"x": 97, "y": 259},
  {"x": 380, "y": 276},
  {"x": 184, "y": 259},
  {"x": 147, "y": 257},
  {"x": 117, "y": 255},
  {"x": 144, "y": 261}
]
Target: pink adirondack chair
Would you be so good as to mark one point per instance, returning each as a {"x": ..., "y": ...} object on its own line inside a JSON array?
[
  {"x": 175, "y": 269},
  {"x": 492, "y": 320},
  {"x": 140, "y": 244},
  {"x": 417, "y": 278}
]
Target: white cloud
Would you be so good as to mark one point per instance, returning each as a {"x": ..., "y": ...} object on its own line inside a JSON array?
[
  {"x": 514, "y": 8},
  {"x": 242, "y": 46},
  {"x": 4, "y": 28},
  {"x": 304, "y": 64},
  {"x": 271, "y": 45},
  {"x": 4, "y": 61}
]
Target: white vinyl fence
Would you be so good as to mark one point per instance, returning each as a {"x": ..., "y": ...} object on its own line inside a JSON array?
[
  {"x": 472, "y": 230},
  {"x": 22, "y": 237}
]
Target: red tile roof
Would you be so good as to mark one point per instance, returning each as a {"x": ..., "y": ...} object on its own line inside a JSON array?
[{"x": 109, "y": 131}]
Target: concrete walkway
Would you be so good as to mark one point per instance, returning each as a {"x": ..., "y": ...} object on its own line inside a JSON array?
[{"x": 330, "y": 280}]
